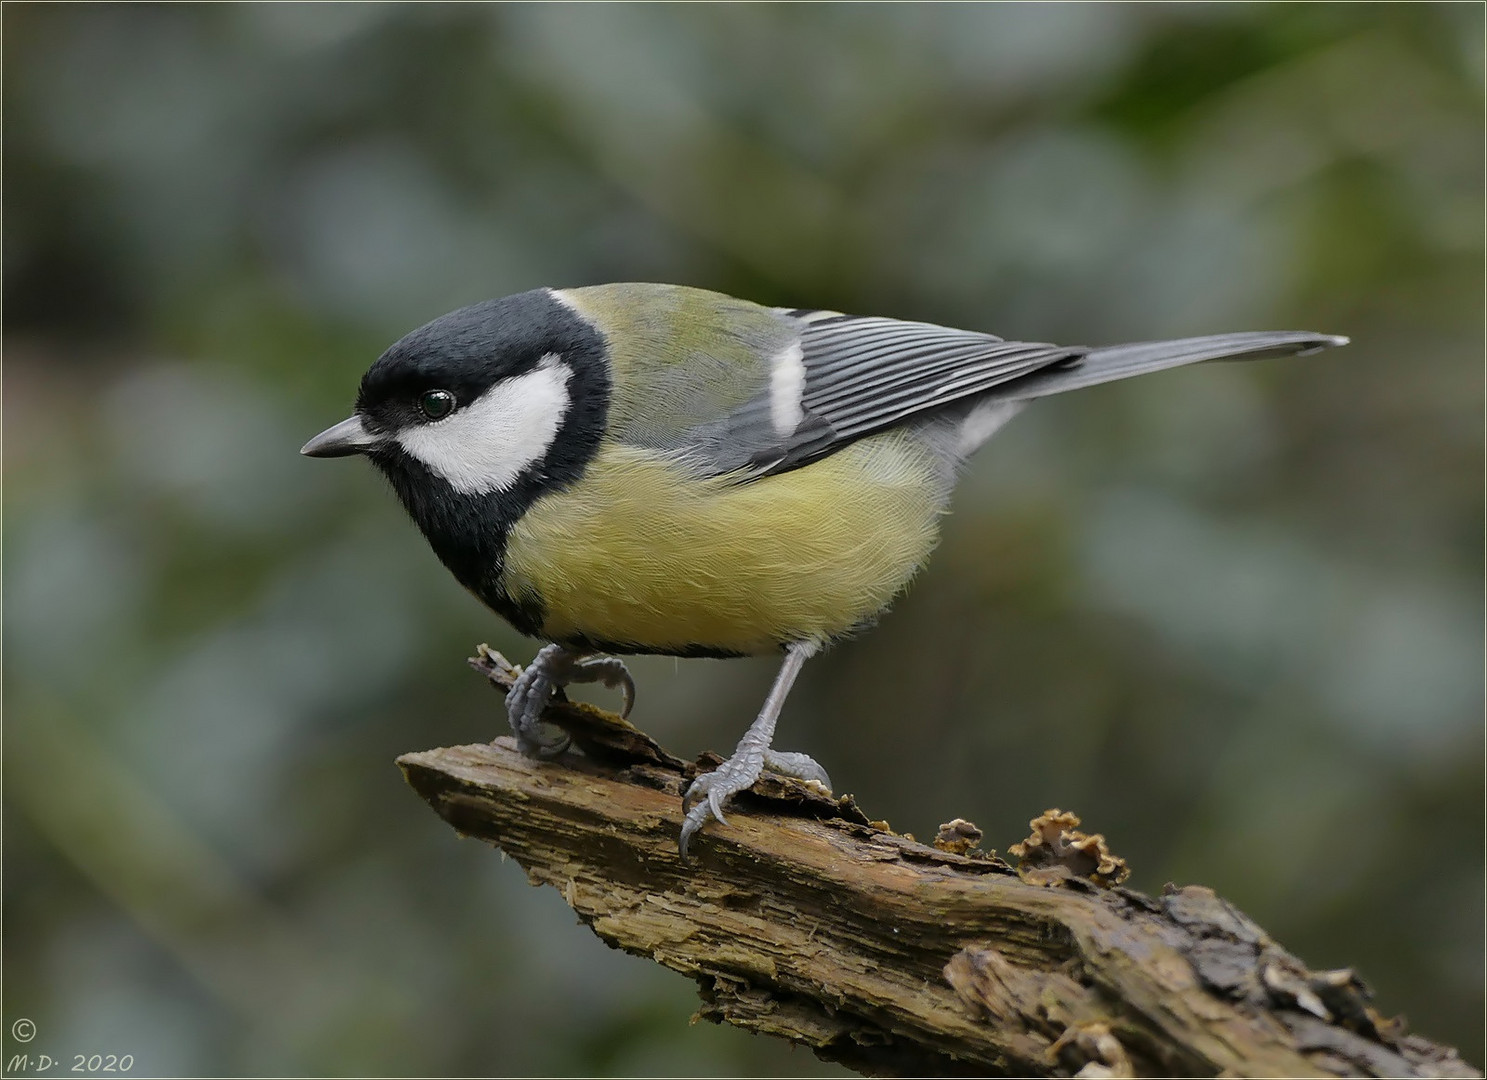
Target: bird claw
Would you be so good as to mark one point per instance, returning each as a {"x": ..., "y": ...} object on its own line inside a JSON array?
[
  {"x": 708, "y": 794},
  {"x": 800, "y": 766},
  {"x": 554, "y": 667},
  {"x": 546, "y": 749},
  {"x": 611, "y": 672},
  {"x": 526, "y": 701},
  {"x": 704, "y": 799}
]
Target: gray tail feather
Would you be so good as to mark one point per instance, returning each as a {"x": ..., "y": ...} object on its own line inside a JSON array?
[{"x": 1122, "y": 361}]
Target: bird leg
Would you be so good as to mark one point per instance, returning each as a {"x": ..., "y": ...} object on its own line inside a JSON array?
[
  {"x": 709, "y": 793},
  {"x": 554, "y": 667}
]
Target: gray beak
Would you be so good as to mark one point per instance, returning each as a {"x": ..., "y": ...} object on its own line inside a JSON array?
[{"x": 346, "y": 438}]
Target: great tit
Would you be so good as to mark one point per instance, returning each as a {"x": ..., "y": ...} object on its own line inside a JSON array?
[{"x": 642, "y": 468}]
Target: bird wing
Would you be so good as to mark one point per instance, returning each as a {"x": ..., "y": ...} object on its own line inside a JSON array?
[
  {"x": 734, "y": 388},
  {"x": 865, "y": 374},
  {"x": 833, "y": 379}
]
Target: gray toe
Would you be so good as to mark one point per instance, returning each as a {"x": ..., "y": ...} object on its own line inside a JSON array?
[{"x": 800, "y": 766}]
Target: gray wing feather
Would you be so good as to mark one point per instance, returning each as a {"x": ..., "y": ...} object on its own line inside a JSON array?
[
  {"x": 863, "y": 375},
  {"x": 1122, "y": 361},
  {"x": 866, "y": 374}
]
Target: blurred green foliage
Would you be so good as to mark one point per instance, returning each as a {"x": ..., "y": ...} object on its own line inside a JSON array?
[{"x": 1231, "y": 615}]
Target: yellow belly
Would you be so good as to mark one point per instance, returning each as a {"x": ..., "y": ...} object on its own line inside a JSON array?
[{"x": 639, "y": 553}]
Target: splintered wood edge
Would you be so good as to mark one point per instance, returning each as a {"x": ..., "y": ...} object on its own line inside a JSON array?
[{"x": 886, "y": 955}]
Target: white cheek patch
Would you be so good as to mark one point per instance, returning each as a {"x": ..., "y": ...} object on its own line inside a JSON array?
[
  {"x": 483, "y": 447},
  {"x": 786, "y": 389}
]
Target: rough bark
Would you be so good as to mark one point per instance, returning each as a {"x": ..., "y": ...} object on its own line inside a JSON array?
[{"x": 805, "y": 920}]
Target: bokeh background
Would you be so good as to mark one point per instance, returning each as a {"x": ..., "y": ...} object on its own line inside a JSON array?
[{"x": 1231, "y": 615}]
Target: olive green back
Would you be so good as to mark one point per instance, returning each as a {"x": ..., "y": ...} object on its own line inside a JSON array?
[{"x": 684, "y": 361}]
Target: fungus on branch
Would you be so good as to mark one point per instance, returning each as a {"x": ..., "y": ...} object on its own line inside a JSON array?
[{"x": 809, "y": 921}]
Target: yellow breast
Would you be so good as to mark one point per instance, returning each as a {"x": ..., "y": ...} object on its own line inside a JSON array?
[{"x": 640, "y": 553}]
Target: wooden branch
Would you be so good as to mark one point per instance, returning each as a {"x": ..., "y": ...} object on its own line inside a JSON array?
[{"x": 805, "y": 920}]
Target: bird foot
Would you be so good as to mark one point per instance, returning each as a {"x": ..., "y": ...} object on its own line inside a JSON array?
[
  {"x": 707, "y": 795},
  {"x": 554, "y": 667}
]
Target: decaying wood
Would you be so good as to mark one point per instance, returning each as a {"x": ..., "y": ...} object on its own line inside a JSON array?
[{"x": 805, "y": 920}]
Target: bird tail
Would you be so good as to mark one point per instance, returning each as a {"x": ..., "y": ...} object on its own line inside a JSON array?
[{"x": 1122, "y": 361}]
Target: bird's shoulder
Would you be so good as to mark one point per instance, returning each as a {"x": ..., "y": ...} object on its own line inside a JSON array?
[
  {"x": 652, "y": 329},
  {"x": 682, "y": 361},
  {"x": 737, "y": 387}
]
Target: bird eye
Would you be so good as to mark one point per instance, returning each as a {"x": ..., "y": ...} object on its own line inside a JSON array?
[{"x": 436, "y": 404}]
